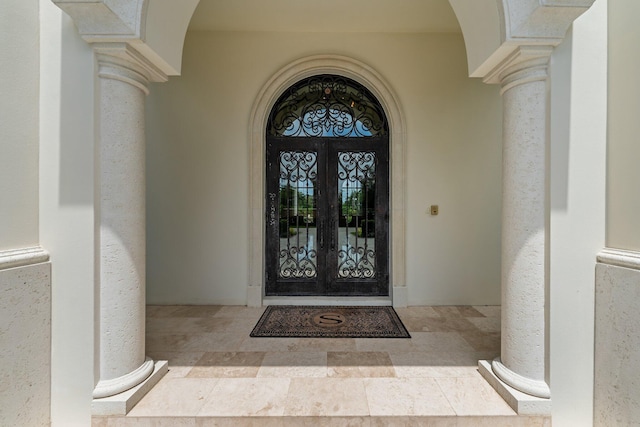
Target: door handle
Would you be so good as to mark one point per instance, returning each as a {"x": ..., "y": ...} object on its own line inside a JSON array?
[
  {"x": 333, "y": 234},
  {"x": 321, "y": 233}
]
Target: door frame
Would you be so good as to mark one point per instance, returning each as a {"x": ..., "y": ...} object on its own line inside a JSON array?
[{"x": 271, "y": 91}]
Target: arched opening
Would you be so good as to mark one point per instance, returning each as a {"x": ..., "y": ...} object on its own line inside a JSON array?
[
  {"x": 327, "y": 191},
  {"x": 380, "y": 121}
]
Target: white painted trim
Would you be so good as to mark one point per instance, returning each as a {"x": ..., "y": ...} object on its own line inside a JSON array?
[
  {"x": 13, "y": 258},
  {"x": 273, "y": 88},
  {"x": 620, "y": 258}
]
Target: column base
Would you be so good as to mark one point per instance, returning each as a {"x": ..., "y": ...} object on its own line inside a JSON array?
[
  {"x": 400, "y": 296},
  {"x": 522, "y": 403},
  {"x": 122, "y": 403},
  {"x": 254, "y": 296}
]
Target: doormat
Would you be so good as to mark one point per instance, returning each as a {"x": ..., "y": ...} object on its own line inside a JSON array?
[{"x": 329, "y": 322}]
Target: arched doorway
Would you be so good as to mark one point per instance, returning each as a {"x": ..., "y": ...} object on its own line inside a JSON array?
[{"x": 327, "y": 191}]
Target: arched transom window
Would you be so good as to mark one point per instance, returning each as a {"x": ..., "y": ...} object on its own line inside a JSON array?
[{"x": 330, "y": 106}]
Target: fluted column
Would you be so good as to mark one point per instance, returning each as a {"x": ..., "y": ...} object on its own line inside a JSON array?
[
  {"x": 120, "y": 218},
  {"x": 523, "y": 360}
]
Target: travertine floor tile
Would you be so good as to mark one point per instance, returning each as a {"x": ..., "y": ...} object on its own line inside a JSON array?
[
  {"x": 155, "y": 343},
  {"x": 196, "y": 311},
  {"x": 360, "y": 364},
  {"x": 326, "y": 382},
  {"x": 439, "y": 342},
  {"x": 447, "y": 310},
  {"x": 154, "y": 421},
  {"x": 268, "y": 344},
  {"x": 416, "y": 312},
  {"x": 180, "y": 363},
  {"x": 182, "y": 325},
  {"x": 482, "y": 341},
  {"x": 486, "y": 324},
  {"x": 385, "y": 344},
  {"x": 489, "y": 310},
  {"x": 325, "y": 344},
  {"x": 469, "y": 311},
  {"x": 215, "y": 341},
  {"x": 247, "y": 397},
  {"x": 473, "y": 396},
  {"x": 239, "y": 312},
  {"x": 160, "y": 310},
  {"x": 294, "y": 365},
  {"x": 327, "y": 397},
  {"x": 406, "y": 396},
  {"x": 240, "y": 364},
  {"x": 439, "y": 324},
  {"x": 175, "y": 397},
  {"x": 436, "y": 364}
]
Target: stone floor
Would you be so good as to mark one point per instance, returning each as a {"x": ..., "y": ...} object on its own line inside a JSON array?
[{"x": 218, "y": 375}]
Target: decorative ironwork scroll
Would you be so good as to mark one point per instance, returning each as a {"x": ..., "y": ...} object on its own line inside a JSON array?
[
  {"x": 327, "y": 105},
  {"x": 356, "y": 189},
  {"x": 297, "y": 227}
]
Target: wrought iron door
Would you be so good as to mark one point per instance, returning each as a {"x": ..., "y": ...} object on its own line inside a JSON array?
[{"x": 327, "y": 195}]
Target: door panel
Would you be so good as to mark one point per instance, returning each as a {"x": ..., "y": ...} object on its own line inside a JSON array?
[{"x": 327, "y": 217}]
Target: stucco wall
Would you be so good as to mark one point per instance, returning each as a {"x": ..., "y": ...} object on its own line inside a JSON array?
[
  {"x": 66, "y": 211},
  {"x": 197, "y": 163},
  {"x": 19, "y": 76},
  {"x": 623, "y": 173},
  {"x": 25, "y": 314},
  {"x": 617, "y": 338},
  {"x": 577, "y": 210}
]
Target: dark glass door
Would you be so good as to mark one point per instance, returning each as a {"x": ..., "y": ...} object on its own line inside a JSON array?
[{"x": 327, "y": 216}]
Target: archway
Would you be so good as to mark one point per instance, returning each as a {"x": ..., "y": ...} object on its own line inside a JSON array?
[
  {"x": 367, "y": 77},
  {"x": 515, "y": 54},
  {"x": 327, "y": 179}
]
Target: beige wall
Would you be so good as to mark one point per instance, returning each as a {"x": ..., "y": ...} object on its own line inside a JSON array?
[
  {"x": 19, "y": 76},
  {"x": 66, "y": 211},
  {"x": 25, "y": 314},
  {"x": 623, "y": 204},
  {"x": 617, "y": 338},
  {"x": 197, "y": 163}
]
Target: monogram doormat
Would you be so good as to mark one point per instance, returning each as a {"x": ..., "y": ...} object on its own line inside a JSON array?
[{"x": 329, "y": 322}]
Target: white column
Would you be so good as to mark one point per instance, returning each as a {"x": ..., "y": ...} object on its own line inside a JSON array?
[
  {"x": 523, "y": 361},
  {"x": 120, "y": 219}
]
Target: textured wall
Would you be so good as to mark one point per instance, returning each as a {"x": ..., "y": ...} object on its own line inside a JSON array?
[
  {"x": 197, "y": 163},
  {"x": 617, "y": 346},
  {"x": 25, "y": 345}
]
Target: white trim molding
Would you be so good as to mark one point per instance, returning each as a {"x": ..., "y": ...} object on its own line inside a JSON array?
[
  {"x": 13, "y": 258},
  {"x": 620, "y": 258},
  {"x": 274, "y": 87}
]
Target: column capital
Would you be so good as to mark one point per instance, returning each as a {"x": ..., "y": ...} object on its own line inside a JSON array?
[
  {"x": 118, "y": 61},
  {"x": 525, "y": 64}
]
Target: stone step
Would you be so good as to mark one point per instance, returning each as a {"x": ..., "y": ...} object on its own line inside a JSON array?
[{"x": 355, "y": 421}]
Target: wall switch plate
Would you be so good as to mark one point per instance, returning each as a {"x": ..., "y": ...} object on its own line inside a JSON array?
[{"x": 434, "y": 209}]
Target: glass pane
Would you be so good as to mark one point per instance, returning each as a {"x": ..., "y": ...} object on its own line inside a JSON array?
[
  {"x": 356, "y": 224},
  {"x": 298, "y": 202},
  {"x": 327, "y": 105}
]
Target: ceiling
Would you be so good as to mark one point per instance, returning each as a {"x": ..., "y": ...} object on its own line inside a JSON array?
[{"x": 394, "y": 16}]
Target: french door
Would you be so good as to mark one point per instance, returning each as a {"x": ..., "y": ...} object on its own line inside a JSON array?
[{"x": 327, "y": 216}]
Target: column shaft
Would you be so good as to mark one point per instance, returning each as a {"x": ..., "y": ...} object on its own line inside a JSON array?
[
  {"x": 522, "y": 364},
  {"x": 121, "y": 220}
]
